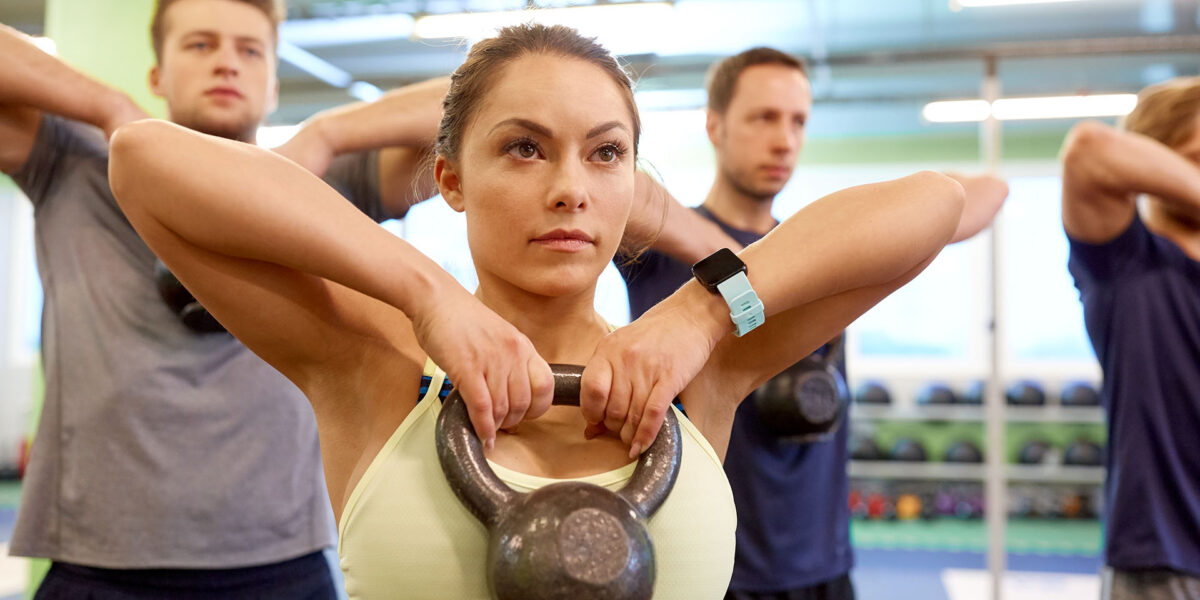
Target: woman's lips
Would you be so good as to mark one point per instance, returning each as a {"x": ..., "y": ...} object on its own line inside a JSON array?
[{"x": 563, "y": 240}]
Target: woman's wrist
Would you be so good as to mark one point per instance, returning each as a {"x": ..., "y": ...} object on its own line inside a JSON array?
[
  {"x": 427, "y": 289},
  {"x": 706, "y": 310}
]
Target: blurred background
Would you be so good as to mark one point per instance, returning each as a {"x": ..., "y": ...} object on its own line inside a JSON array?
[{"x": 875, "y": 67}]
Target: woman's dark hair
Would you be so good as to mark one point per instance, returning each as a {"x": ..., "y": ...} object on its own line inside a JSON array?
[{"x": 471, "y": 80}]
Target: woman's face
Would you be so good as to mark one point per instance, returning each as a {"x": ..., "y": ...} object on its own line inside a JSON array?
[{"x": 545, "y": 174}]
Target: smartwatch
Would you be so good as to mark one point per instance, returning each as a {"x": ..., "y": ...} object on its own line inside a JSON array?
[{"x": 722, "y": 272}]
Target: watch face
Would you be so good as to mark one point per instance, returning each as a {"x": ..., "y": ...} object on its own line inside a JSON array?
[{"x": 718, "y": 267}]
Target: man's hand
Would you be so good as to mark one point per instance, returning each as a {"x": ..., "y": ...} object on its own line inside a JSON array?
[
  {"x": 308, "y": 148},
  {"x": 124, "y": 110}
]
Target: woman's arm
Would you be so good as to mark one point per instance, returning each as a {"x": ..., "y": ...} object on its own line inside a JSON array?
[
  {"x": 269, "y": 249},
  {"x": 1104, "y": 170},
  {"x": 816, "y": 272},
  {"x": 983, "y": 197}
]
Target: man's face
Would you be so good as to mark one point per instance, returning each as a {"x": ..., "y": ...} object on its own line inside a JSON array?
[
  {"x": 759, "y": 137},
  {"x": 217, "y": 69}
]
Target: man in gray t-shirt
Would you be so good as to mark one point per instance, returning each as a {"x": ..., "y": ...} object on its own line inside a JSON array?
[{"x": 169, "y": 462}]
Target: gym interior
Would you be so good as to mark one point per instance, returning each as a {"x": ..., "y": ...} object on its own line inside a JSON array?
[{"x": 977, "y": 434}]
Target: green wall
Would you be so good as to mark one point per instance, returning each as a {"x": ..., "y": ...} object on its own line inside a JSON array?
[
  {"x": 932, "y": 148},
  {"x": 109, "y": 40}
]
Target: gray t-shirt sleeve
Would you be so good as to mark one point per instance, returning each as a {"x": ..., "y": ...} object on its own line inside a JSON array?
[
  {"x": 58, "y": 141},
  {"x": 356, "y": 177}
]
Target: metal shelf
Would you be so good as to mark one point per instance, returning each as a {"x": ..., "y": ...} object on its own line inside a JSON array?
[
  {"x": 940, "y": 471},
  {"x": 1013, "y": 414}
]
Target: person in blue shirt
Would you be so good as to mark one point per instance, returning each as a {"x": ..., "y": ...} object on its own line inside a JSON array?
[
  {"x": 1131, "y": 211},
  {"x": 758, "y": 104}
]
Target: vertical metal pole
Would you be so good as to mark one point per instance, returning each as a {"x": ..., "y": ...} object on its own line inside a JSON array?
[{"x": 995, "y": 480}]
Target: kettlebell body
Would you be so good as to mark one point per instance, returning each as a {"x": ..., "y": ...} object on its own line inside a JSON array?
[
  {"x": 806, "y": 402},
  {"x": 181, "y": 302},
  {"x": 571, "y": 540},
  {"x": 564, "y": 541}
]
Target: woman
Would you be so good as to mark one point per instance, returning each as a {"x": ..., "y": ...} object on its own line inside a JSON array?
[{"x": 537, "y": 146}]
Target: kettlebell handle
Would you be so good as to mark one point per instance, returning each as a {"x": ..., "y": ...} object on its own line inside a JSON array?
[
  {"x": 460, "y": 453},
  {"x": 832, "y": 350}
]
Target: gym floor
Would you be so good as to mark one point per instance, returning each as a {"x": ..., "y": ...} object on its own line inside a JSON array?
[{"x": 939, "y": 560}]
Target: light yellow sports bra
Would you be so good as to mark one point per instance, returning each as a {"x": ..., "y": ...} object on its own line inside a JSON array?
[{"x": 404, "y": 534}]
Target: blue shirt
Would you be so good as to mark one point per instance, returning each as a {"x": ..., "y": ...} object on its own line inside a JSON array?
[
  {"x": 793, "y": 519},
  {"x": 1141, "y": 305}
]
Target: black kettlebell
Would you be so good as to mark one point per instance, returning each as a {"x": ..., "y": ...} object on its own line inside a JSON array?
[
  {"x": 806, "y": 401},
  {"x": 182, "y": 303},
  {"x": 1079, "y": 393},
  {"x": 864, "y": 447},
  {"x": 1034, "y": 452},
  {"x": 1083, "y": 453},
  {"x": 936, "y": 394},
  {"x": 873, "y": 392},
  {"x": 908, "y": 450},
  {"x": 568, "y": 540},
  {"x": 1025, "y": 393},
  {"x": 963, "y": 451}
]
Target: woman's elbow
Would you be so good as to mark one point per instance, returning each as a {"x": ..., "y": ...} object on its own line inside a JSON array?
[
  {"x": 130, "y": 153},
  {"x": 944, "y": 199}
]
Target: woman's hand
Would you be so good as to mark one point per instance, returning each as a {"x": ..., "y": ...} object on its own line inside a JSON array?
[
  {"x": 502, "y": 378},
  {"x": 638, "y": 370}
]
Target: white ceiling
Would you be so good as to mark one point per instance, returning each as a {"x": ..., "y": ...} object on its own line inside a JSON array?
[{"x": 874, "y": 62}]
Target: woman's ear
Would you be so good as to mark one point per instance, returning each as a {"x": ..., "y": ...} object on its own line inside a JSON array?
[{"x": 448, "y": 183}]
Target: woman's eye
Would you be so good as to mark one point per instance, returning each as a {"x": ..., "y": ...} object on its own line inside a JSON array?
[
  {"x": 524, "y": 149},
  {"x": 607, "y": 153}
]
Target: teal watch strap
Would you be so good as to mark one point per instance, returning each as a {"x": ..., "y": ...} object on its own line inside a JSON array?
[{"x": 745, "y": 308}]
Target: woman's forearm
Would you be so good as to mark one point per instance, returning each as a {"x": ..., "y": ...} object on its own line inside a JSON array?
[
  {"x": 858, "y": 237},
  {"x": 238, "y": 200}
]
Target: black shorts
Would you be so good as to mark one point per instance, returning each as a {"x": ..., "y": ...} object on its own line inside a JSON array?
[
  {"x": 304, "y": 578},
  {"x": 838, "y": 588}
]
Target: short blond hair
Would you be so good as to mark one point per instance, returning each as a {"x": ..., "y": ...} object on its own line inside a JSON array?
[{"x": 1167, "y": 112}]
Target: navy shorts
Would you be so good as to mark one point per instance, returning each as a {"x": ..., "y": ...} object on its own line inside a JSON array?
[{"x": 304, "y": 578}]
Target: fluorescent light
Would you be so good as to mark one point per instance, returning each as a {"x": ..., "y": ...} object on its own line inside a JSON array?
[
  {"x": 957, "y": 4},
  {"x": 1041, "y": 107},
  {"x": 956, "y": 111},
  {"x": 622, "y": 28},
  {"x": 1064, "y": 107},
  {"x": 46, "y": 44},
  {"x": 316, "y": 33},
  {"x": 364, "y": 91},
  {"x": 274, "y": 135},
  {"x": 314, "y": 65}
]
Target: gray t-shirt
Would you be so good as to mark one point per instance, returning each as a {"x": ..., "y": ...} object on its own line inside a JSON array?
[{"x": 157, "y": 446}]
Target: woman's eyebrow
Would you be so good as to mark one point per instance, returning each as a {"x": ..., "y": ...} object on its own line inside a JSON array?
[
  {"x": 527, "y": 124},
  {"x": 599, "y": 129}
]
